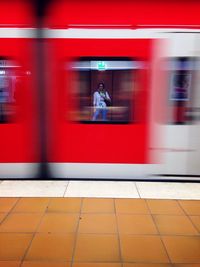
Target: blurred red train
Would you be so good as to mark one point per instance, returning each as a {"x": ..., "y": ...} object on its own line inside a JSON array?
[{"x": 149, "y": 67}]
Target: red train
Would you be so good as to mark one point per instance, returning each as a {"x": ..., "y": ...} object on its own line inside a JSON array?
[{"x": 115, "y": 95}]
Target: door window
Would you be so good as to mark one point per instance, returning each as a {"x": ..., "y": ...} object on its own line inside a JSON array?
[{"x": 105, "y": 89}]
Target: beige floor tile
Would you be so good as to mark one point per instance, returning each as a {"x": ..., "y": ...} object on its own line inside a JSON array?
[
  {"x": 191, "y": 207},
  {"x": 196, "y": 221},
  {"x": 98, "y": 205},
  {"x": 10, "y": 263},
  {"x": 32, "y": 188},
  {"x": 21, "y": 222},
  {"x": 170, "y": 207},
  {"x": 59, "y": 222},
  {"x": 97, "y": 248},
  {"x": 105, "y": 264},
  {"x": 175, "y": 225},
  {"x": 98, "y": 223},
  {"x": 65, "y": 205},
  {"x": 136, "y": 224},
  {"x": 146, "y": 265},
  {"x": 7, "y": 203},
  {"x": 182, "y": 249},
  {"x": 101, "y": 189},
  {"x": 51, "y": 247},
  {"x": 30, "y": 204},
  {"x": 2, "y": 216},
  {"x": 133, "y": 206},
  {"x": 13, "y": 246},
  {"x": 143, "y": 249},
  {"x": 45, "y": 264}
]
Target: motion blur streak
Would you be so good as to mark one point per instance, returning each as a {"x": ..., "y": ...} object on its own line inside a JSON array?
[{"x": 90, "y": 93}]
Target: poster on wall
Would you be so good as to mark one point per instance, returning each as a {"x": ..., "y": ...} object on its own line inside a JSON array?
[{"x": 180, "y": 85}]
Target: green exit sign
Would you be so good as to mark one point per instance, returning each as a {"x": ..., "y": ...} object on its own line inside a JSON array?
[{"x": 101, "y": 65}]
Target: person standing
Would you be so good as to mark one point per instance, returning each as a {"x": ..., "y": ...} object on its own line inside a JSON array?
[{"x": 101, "y": 99}]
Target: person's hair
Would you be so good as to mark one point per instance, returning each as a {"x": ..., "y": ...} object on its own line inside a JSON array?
[{"x": 101, "y": 84}]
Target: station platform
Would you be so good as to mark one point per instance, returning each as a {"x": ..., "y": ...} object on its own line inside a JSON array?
[{"x": 99, "y": 224}]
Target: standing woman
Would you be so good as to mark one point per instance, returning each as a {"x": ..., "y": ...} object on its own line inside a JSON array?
[{"x": 100, "y": 98}]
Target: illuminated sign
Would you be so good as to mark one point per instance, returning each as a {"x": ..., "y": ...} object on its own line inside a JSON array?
[{"x": 101, "y": 65}]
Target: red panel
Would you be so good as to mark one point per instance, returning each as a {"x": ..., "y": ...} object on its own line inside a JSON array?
[
  {"x": 18, "y": 139},
  {"x": 136, "y": 13},
  {"x": 16, "y": 13},
  {"x": 73, "y": 142}
]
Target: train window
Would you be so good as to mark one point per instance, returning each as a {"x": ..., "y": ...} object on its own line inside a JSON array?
[
  {"x": 105, "y": 88},
  {"x": 182, "y": 82},
  {"x": 8, "y": 87}
]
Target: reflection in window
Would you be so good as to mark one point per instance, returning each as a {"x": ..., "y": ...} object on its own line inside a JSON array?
[
  {"x": 8, "y": 82},
  {"x": 182, "y": 73},
  {"x": 105, "y": 89}
]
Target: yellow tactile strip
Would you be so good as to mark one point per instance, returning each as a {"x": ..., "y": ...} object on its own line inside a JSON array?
[{"x": 99, "y": 232}]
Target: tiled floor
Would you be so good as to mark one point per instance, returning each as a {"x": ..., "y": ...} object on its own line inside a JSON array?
[{"x": 99, "y": 232}]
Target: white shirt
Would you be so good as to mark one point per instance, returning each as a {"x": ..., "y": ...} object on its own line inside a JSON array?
[{"x": 99, "y": 99}]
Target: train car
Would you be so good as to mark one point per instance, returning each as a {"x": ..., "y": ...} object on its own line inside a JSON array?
[
  {"x": 18, "y": 105},
  {"x": 123, "y": 96}
]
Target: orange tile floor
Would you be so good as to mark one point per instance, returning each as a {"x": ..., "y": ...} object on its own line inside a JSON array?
[{"x": 98, "y": 232}]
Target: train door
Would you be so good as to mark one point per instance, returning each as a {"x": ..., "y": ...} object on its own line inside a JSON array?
[
  {"x": 89, "y": 139},
  {"x": 181, "y": 131},
  {"x": 193, "y": 167}
]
